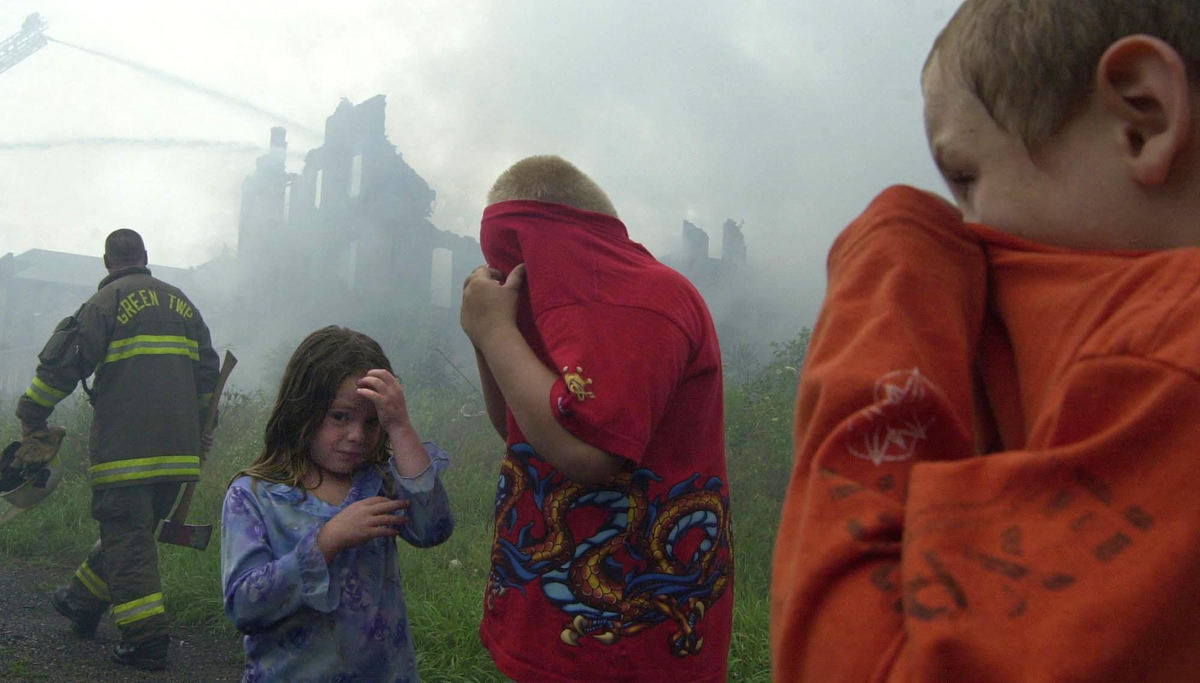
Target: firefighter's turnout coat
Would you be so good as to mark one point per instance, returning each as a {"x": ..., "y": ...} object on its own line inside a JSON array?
[{"x": 155, "y": 370}]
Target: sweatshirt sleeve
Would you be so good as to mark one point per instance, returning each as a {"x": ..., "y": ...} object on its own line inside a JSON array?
[
  {"x": 1078, "y": 554},
  {"x": 261, "y": 586},
  {"x": 429, "y": 519},
  {"x": 887, "y": 384},
  {"x": 903, "y": 558}
]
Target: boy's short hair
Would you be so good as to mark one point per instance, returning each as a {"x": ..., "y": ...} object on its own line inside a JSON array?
[
  {"x": 1031, "y": 62},
  {"x": 550, "y": 178}
]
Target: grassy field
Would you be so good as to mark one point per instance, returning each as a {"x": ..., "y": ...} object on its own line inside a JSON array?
[{"x": 444, "y": 585}]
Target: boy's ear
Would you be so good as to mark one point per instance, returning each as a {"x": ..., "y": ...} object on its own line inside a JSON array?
[{"x": 1143, "y": 82}]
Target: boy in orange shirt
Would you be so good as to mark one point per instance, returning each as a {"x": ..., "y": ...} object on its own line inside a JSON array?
[{"x": 1067, "y": 550}]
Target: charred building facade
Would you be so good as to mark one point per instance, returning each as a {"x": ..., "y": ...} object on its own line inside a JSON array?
[
  {"x": 354, "y": 221},
  {"x": 703, "y": 270},
  {"x": 724, "y": 281},
  {"x": 347, "y": 240}
]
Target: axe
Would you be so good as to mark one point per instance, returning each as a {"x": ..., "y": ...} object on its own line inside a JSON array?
[{"x": 174, "y": 529}]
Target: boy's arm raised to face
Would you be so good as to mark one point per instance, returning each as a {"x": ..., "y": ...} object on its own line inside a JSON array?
[
  {"x": 493, "y": 400},
  {"x": 887, "y": 383},
  {"x": 488, "y": 316},
  {"x": 903, "y": 557}
]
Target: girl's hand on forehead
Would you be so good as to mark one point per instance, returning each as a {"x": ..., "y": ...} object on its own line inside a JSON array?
[{"x": 384, "y": 390}]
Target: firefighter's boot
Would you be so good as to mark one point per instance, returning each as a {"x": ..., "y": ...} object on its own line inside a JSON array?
[
  {"x": 84, "y": 618},
  {"x": 150, "y": 655}
]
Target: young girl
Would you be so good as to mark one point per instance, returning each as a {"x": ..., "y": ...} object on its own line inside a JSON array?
[{"x": 308, "y": 563}]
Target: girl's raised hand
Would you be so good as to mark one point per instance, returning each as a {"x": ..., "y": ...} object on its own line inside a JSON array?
[
  {"x": 385, "y": 392},
  {"x": 360, "y": 522}
]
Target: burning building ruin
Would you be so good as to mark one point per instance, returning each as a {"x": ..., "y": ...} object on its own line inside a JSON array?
[{"x": 347, "y": 239}]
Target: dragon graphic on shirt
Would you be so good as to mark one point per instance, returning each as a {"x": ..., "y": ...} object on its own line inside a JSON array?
[{"x": 650, "y": 561}]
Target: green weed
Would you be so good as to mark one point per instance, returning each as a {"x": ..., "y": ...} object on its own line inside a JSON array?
[{"x": 444, "y": 585}]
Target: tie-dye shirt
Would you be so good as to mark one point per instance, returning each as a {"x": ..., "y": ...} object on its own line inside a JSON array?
[{"x": 304, "y": 620}]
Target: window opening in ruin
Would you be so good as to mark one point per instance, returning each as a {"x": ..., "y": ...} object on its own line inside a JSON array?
[
  {"x": 287, "y": 201},
  {"x": 317, "y": 190},
  {"x": 356, "y": 176},
  {"x": 441, "y": 272}
]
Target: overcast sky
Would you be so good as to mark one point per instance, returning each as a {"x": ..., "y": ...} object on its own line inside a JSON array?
[{"x": 785, "y": 115}]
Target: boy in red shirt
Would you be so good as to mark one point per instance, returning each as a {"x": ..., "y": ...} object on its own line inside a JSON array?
[
  {"x": 1067, "y": 550},
  {"x": 612, "y": 558}
]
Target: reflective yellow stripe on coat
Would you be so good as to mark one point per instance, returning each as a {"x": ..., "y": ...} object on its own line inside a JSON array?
[
  {"x": 144, "y": 468},
  {"x": 45, "y": 395},
  {"x": 135, "y": 610},
  {"x": 152, "y": 345}
]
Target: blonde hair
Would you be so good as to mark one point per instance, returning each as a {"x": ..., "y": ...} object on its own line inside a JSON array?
[
  {"x": 1031, "y": 63},
  {"x": 550, "y": 178}
]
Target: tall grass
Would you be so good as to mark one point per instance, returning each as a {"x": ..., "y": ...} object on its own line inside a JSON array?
[{"x": 444, "y": 585}]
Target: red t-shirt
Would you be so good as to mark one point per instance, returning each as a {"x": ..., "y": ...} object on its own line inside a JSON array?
[{"x": 631, "y": 580}]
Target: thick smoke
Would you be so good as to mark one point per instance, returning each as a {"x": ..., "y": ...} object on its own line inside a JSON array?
[
  {"x": 193, "y": 86},
  {"x": 226, "y": 145}
]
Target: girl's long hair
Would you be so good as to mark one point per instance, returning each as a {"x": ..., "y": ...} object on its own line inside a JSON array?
[{"x": 315, "y": 371}]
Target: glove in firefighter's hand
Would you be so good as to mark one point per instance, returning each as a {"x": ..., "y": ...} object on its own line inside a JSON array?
[{"x": 39, "y": 447}]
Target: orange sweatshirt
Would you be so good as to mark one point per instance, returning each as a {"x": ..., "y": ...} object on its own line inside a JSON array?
[{"x": 1070, "y": 555}]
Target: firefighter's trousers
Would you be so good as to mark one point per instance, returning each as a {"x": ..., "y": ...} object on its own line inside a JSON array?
[{"x": 121, "y": 570}]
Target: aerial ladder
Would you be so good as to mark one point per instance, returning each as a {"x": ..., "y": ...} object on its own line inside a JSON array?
[
  {"x": 18, "y": 46},
  {"x": 32, "y": 37}
]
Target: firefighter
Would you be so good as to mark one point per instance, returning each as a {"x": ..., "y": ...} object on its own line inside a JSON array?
[{"x": 155, "y": 370}]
